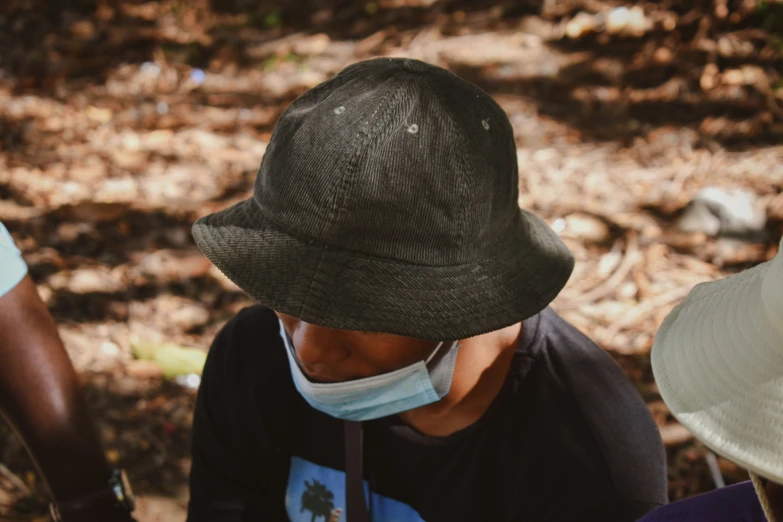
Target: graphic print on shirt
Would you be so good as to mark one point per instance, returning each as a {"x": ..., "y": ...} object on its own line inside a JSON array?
[{"x": 317, "y": 494}]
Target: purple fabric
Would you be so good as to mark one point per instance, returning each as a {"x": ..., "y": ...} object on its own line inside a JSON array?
[{"x": 737, "y": 503}]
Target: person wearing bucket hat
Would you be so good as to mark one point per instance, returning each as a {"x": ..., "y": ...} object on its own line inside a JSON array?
[
  {"x": 403, "y": 364},
  {"x": 718, "y": 362}
]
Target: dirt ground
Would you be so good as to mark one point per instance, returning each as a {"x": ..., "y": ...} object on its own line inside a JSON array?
[{"x": 123, "y": 121}]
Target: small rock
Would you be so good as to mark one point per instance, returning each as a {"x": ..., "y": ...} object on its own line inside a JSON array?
[
  {"x": 729, "y": 213},
  {"x": 698, "y": 218}
]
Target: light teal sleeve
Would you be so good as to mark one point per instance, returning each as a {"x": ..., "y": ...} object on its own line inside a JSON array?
[{"x": 12, "y": 266}]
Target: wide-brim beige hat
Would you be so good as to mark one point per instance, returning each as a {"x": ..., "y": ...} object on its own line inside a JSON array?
[{"x": 718, "y": 362}]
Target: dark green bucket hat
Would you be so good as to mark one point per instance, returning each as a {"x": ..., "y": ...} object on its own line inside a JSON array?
[{"x": 387, "y": 201}]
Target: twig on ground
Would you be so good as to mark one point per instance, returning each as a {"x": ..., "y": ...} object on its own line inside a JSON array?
[
  {"x": 608, "y": 286},
  {"x": 643, "y": 309}
]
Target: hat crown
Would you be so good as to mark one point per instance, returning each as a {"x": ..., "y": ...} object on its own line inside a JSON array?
[{"x": 396, "y": 159}]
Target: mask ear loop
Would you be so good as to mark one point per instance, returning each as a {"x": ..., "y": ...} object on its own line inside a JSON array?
[
  {"x": 762, "y": 495},
  {"x": 433, "y": 353}
]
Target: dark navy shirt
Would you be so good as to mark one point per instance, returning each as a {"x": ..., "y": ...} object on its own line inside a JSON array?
[
  {"x": 567, "y": 439},
  {"x": 737, "y": 503}
]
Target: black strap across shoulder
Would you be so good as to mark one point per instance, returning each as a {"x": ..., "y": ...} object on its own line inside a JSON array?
[{"x": 356, "y": 504}]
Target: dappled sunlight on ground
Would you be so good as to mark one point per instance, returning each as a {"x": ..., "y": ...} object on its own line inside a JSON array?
[{"x": 122, "y": 122}]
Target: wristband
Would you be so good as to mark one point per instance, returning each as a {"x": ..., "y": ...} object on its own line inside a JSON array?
[{"x": 117, "y": 493}]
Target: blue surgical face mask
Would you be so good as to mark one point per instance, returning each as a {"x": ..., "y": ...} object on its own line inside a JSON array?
[{"x": 380, "y": 396}]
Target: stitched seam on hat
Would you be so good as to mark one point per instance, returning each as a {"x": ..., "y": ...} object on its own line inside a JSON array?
[
  {"x": 338, "y": 188},
  {"x": 345, "y": 181},
  {"x": 369, "y": 131},
  {"x": 344, "y": 185},
  {"x": 309, "y": 295},
  {"x": 308, "y": 101},
  {"x": 461, "y": 215},
  {"x": 320, "y": 94}
]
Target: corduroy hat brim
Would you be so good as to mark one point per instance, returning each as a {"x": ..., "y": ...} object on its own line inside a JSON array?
[
  {"x": 718, "y": 362},
  {"x": 341, "y": 289}
]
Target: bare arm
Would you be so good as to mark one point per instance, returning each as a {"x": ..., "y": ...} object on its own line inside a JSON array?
[{"x": 41, "y": 398}]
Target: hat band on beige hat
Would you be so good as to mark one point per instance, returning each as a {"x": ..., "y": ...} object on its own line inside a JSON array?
[{"x": 718, "y": 363}]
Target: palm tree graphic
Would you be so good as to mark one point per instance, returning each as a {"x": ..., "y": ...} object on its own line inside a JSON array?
[{"x": 317, "y": 499}]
